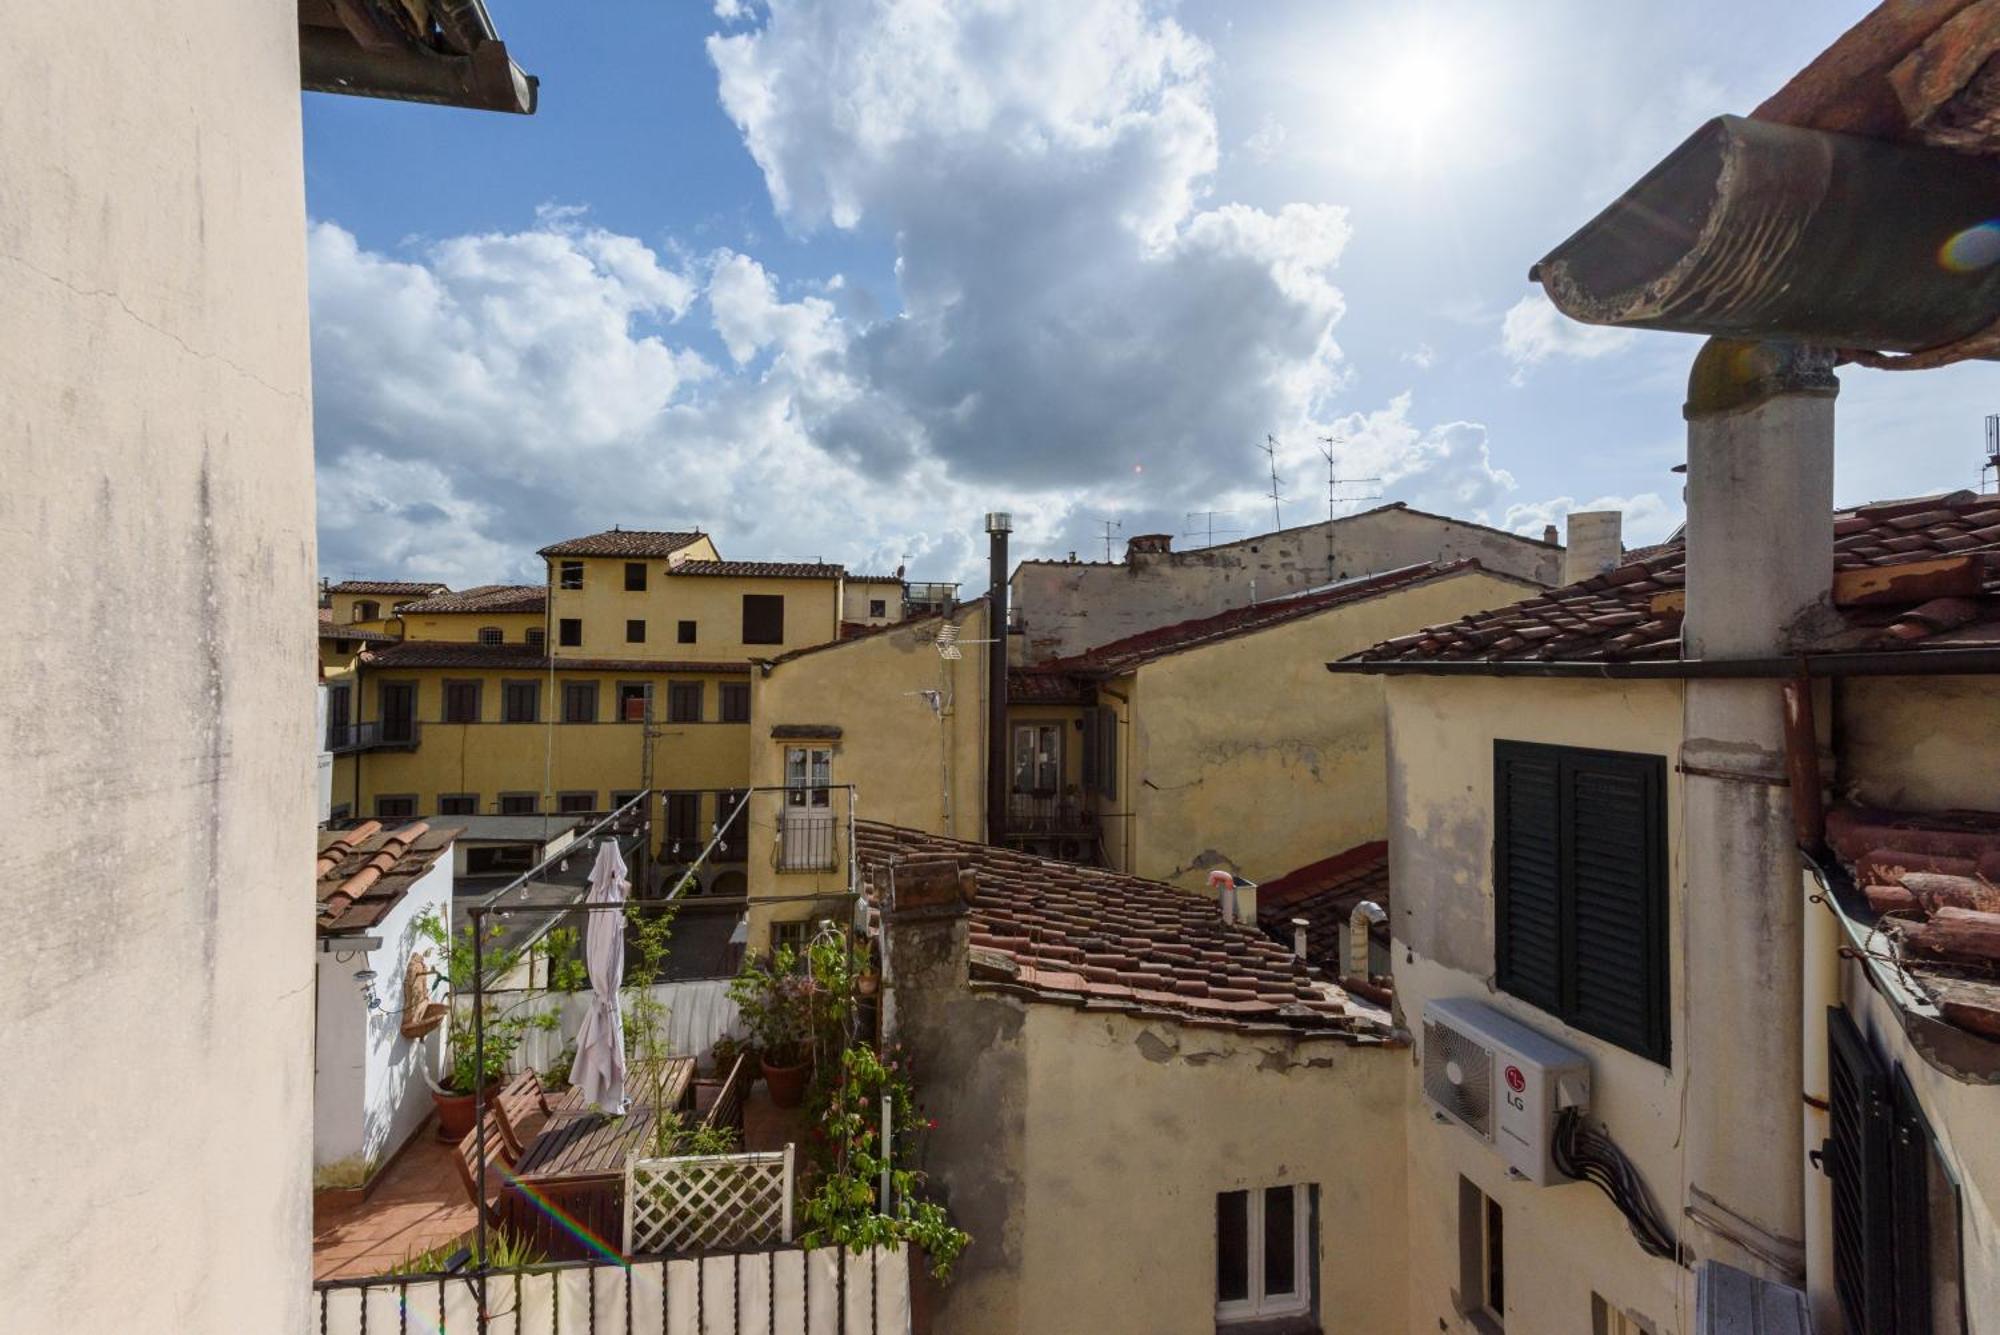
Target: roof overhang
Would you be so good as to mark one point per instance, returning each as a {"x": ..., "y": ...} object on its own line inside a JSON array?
[{"x": 441, "y": 51}]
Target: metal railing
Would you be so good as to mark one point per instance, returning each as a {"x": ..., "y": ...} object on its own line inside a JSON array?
[
  {"x": 1046, "y": 813},
  {"x": 374, "y": 735}
]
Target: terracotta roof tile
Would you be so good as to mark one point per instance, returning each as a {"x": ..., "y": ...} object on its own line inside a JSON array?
[
  {"x": 1624, "y": 614},
  {"x": 1324, "y": 893},
  {"x": 329, "y": 629},
  {"x": 526, "y": 658},
  {"x": 388, "y": 586},
  {"x": 1066, "y": 932},
  {"x": 364, "y": 872},
  {"x": 760, "y": 569},
  {"x": 623, "y": 542},
  {"x": 485, "y": 598}
]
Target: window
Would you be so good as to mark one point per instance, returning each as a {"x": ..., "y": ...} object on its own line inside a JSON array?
[
  {"x": 763, "y": 618},
  {"x": 366, "y": 611},
  {"x": 735, "y": 842},
  {"x": 1263, "y": 1254},
  {"x": 520, "y": 804},
  {"x": 339, "y": 716},
  {"x": 521, "y": 701},
  {"x": 685, "y": 632},
  {"x": 343, "y": 646},
  {"x": 1897, "y": 1266},
  {"x": 579, "y": 702},
  {"x": 619, "y": 799},
  {"x": 491, "y": 635},
  {"x": 341, "y": 811},
  {"x": 806, "y": 830},
  {"x": 735, "y": 701},
  {"x": 1606, "y": 1318},
  {"x": 1100, "y": 751},
  {"x": 1579, "y": 889},
  {"x": 635, "y": 631},
  {"x": 572, "y": 803},
  {"x": 485, "y": 861},
  {"x": 1482, "y": 1258},
  {"x": 458, "y": 804},
  {"x": 403, "y": 806},
  {"x": 572, "y": 574},
  {"x": 635, "y": 577},
  {"x": 684, "y": 702},
  {"x": 683, "y": 833},
  {"x": 461, "y": 702},
  {"x": 1038, "y": 758},
  {"x": 397, "y": 703},
  {"x": 632, "y": 698},
  {"x": 537, "y": 637},
  {"x": 793, "y": 934},
  {"x": 569, "y": 632},
  {"x": 878, "y": 607}
]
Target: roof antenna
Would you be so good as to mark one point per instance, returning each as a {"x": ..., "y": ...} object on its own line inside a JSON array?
[
  {"x": 1271, "y": 453},
  {"x": 1110, "y": 526},
  {"x": 1992, "y": 464},
  {"x": 1334, "y": 482}
]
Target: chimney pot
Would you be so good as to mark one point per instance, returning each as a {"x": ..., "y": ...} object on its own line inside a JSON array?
[
  {"x": 1549, "y": 534},
  {"x": 1299, "y": 926},
  {"x": 1149, "y": 544},
  {"x": 999, "y": 521}
]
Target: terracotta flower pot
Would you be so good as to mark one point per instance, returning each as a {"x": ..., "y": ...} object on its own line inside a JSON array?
[
  {"x": 786, "y": 1083},
  {"x": 455, "y": 1113}
]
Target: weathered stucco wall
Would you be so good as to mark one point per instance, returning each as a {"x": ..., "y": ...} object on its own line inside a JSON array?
[
  {"x": 1249, "y": 755},
  {"x": 155, "y": 430},
  {"x": 1069, "y": 607},
  {"x": 1921, "y": 743},
  {"x": 1563, "y": 1243}
]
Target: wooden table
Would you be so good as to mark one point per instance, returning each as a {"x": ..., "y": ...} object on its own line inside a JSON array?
[{"x": 573, "y": 1176}]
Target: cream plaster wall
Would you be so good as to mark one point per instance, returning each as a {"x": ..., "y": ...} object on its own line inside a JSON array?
[
  {"x": 1920, "y": 743},
  {"x": 713, "y": 602},
  {"x": 1131, "y": 1128},
  {"x": 1567, "y": 1241},
  {"x": 1249, "y": 755},
  {"x": 1067, "y": 607},
  {"x": 464, "y": 627},
  {"x": 910, "y": 764},
  {"x": 155, "y": 438}
]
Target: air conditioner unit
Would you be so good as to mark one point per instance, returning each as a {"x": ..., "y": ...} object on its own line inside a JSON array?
[{"x": 1501, "y": 1081}]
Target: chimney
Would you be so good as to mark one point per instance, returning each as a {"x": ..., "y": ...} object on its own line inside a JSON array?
[
  {"x": 1365, "y": 915},
  {"x": 1595, "y": 544},
  {"x": 1549, "y": 535},
  {"x": 998, "y": 525},
  {"x": 1299, "y": 926},
  {"x": 1148, "y": 544}
]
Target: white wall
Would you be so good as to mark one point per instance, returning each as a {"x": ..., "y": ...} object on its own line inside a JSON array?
[
  {"x": 155, "y": 440},
  {"x": 698, "y": 1013},
  {"x": 369, "y": 1092}
]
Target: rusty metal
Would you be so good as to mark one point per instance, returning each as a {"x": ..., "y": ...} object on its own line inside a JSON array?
[
  {"x": 1732, "y": 775},
  {"x": 445, "y": 52},
  {"x": 1887, "y": 663},
  {"x": 1802, "y": 765},
  {"x": 1761, "y": 232},
  {"x": 1949, "y": 87}
]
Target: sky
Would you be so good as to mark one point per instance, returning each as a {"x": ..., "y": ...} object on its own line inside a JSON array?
[{"x": 832, "y": 278}]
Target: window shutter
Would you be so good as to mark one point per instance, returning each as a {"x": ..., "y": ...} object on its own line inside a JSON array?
[
  {"x": 1858, "y": 1161},
  {"x": 1527, "y": 873},
  {"x": 1107, "y": 738},
  {"x": 1090, "y": 750},
  {"x": 1909, "y": 1161},
  {"x": 1616, "y": 897}
]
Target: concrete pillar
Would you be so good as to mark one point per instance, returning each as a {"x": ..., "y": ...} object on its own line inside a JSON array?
[
  {"x": 1596, "y": 544},
  {"x": 1759, "y": 571}
]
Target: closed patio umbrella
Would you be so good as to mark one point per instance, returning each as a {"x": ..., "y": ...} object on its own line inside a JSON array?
[{"x": 599, "y": 1072}]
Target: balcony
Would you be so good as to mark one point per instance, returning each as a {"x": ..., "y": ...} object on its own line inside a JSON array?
[
  {"x": 1047, "y": 813},
  {"x": 344, "y": 738}
]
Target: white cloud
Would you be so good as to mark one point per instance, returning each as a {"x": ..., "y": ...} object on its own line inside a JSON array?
[
  {"x": 1423, "y": 356},
  {"x": 1268, "y": 140},
  {"x": 1647, "y": 517},
  {"x": 1534, "y": 331}
]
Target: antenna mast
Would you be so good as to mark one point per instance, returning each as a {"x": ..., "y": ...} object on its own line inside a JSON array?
[
  {"x": 1208, "y": 518},
  {"x": 1334, "y": 482},
  {"x": 1271, "y": 454},
  {"x": 1992, "y": 465},
  {"x": 1110, "y": 526}
]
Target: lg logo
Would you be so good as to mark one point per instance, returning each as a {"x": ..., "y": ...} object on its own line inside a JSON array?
[{"x": 1516, "y": 1082}]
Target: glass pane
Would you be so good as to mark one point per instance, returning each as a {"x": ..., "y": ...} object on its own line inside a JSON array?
[
  {"x": 1232, "y": 1246},
  {"x": 795, "y": 766},
  {"x": 1280, "y": 1242},
  {"x": 822, "y": 768}
]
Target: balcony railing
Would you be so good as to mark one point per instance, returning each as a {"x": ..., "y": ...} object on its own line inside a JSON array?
[
  {"x": 1046, "y": 813},
  {"x": 373, "y": 736}
]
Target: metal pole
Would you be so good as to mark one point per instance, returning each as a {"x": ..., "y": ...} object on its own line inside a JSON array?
[
  {"x": 998, "y": 526},
  {"x": 888, "y": 1105},
  {"x": 479, "y": 1095}
]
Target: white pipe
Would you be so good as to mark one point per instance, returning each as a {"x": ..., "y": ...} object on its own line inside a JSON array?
[
  {"x": 1366, "y": 914},
  {"x": 1224, "y": 885},
  {"x": 1820, "y": 941},
  {"x": 1299, "y": 926}
]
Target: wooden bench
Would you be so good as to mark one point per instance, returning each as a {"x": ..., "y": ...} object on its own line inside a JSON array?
[
  {"x": 727, "y": 1110},
  {"x": 525, "y": 1108},
  {"x": 500, "y": 1161}
]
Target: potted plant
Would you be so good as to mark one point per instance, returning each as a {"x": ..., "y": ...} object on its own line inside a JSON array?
[
  {"x": 774, "y": 997},
  {"x": 480, "y": 1062}
]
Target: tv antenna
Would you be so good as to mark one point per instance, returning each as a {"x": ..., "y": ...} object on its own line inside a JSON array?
[
  {"x": 1208, "y": 518},
  {"x": 1110, "y": 526},
  {"x": 1992, "y": 465},
  {"x": 1334, "y": 482},
  {"x": 1277, "y": 500},
  {"x": 949, "y": 646}
]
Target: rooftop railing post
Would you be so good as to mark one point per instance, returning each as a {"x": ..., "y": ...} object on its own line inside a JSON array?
[{"x": 478, "y": 916}]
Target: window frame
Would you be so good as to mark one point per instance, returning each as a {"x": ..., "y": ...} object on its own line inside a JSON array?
[
  {"x": 364, "y": 610},
  {"x": 491, "y": 635},
  {"x": 450, "y": 684},
  {"x": 794, "y": 932},
  {"x": 1258, "y": 1305},
  {"x": 593, "y": 690},
  {"x": 508, "y": 688},
  {"x": 569, "y": 632},
  {"x": 339, "y": 714},
  {"x": 569, "y": 574},
  {"x": 1477, "y": 1297},
  {"x": 679, "y": 805},
  {"x": 679, "y": 692},
  {"x": 878, "y": 607},
  {"x": 564, "y": 800},
  {"x": 410, "y": 798},
  {"x": 686, "y": 631},
  {"x": 635, "y": 577},
  {"x": 758, "y": 609},
  {"x": 635, "y": 630},
  {"x": 728, "y": 691},
  {"x": 536, "y": 637},
  {"x": 533, "y": 800},
  {"x": 468, "y": 802},
  {"x": 1561, "y": 1002},
  {"x": 1034, "y": 733},
  {"x": 644, "y": 688}
]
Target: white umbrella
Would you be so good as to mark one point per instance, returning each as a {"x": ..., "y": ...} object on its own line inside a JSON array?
[{"x": 599, "y": 1071}]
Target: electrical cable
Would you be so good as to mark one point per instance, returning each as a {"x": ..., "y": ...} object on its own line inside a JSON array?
[{"x": 1590, "y": 1155}]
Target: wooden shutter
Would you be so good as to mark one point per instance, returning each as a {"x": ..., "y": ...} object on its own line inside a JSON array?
[
  {"x": 1614, "y": 859},
  {"x": 1090, "y": 757},
  {"x": 1107, "y": 752},
  {"x": 1858, "y": 1161},
  {"x": 1527, "y": 872}
]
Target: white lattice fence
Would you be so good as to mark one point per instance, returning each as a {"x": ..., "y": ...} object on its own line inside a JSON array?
[{"x": 708, "y": 1202}]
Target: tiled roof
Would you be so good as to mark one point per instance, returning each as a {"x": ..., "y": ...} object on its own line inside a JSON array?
[
  {"x": 1934, "y": 879},
  {"x": 1324, "y": 893},
  {"x": 485, "y": 598},
  {"x": 468, "y": 654},
  {"x": 329, "y": 629},
  {"x": 363, "y": 872},
  {"x": 1949, "y": 597},
  {"x": 1038, "y": 686},
  {"x": 1135, "y": 650},
  {"x": 761, "y": 569},
  {"x": 875, "y": 579},
  {"x": 885, "y": 628},
  {"x": 1060, "y": 932},
  {"x": 387, "y": 586},
  {"x": 623, "y": 542}
]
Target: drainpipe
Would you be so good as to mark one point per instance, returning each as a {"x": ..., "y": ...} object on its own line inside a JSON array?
[
  {"x": 1759, "y": 575},
  {"x": 998, "y": 525}
]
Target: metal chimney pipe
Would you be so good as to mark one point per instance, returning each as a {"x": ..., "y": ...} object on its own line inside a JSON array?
[
  {"x": 1224, "y": 885},
  {"x": 998, "y": 525},
  {"x": 1299, "y": 926},
  {"x": 1365, "y": 915}
]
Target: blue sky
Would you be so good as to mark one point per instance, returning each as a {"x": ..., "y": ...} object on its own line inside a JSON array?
[{"x": 832, "y": 277}]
